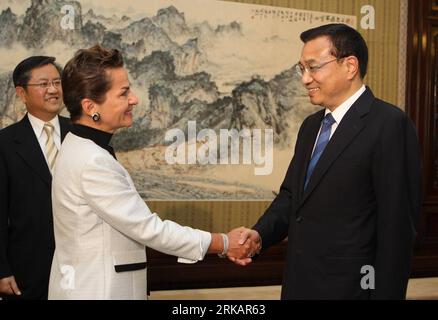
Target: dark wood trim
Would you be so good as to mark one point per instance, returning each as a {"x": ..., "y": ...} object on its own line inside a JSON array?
[
  {"x": 421, "y": 105},
  {"x": 164, "y": 273}
]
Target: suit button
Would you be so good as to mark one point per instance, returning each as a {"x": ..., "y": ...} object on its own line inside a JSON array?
[{"x": 299, "y": 219}]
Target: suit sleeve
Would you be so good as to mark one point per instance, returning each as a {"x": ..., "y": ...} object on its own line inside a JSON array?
[
  {"x": 4, "y": 220},
  {"x": 109, "y": 193},
  {"x": 396, "y": 179},
  {"x": 273, "y": 226}
]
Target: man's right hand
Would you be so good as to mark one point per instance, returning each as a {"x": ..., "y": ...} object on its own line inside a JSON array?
[
  {"x": 9, "y": 286},
  {"x": 247, "y": 239}
]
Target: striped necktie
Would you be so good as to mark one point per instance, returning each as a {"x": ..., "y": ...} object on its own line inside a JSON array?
[
  {"x": 51, "y": 150},
  {"x": 323, "y": 139}
]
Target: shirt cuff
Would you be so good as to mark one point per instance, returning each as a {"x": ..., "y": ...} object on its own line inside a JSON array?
[{"x": 204, "y": 243}]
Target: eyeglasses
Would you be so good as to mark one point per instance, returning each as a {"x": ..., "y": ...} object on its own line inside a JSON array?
[
  {"x": 300, "y": 69},
  {"x": 46, "y": 84}
]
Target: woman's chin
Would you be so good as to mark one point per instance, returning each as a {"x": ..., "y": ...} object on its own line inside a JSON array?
[{"x": 128, "y": 124}]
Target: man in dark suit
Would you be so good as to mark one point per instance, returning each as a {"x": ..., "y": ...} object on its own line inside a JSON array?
[
  {"x": 28, "y": 151},
  {"x": 350, "y": 201}
]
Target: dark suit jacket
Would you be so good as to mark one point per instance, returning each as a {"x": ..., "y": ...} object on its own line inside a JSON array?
[
  {"x": 26, "y": 227},
  {"x": 361, "y": 206}
]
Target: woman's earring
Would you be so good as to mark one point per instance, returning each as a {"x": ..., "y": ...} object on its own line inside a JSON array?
[{"x": 96, "y": 116}]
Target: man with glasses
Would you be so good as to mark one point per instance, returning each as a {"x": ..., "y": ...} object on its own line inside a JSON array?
[
  {"x": 350, "y": 201},
  {"x": 28, "y": 152}
]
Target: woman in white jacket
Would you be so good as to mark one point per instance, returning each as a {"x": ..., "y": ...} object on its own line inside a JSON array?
[{"x": 101, "y": 223}]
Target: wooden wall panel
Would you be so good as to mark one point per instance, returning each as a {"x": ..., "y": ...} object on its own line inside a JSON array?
[{"x": 422, "y": 106}]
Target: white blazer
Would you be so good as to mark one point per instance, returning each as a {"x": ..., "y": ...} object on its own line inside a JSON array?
[{"x": 102, "y": 226}]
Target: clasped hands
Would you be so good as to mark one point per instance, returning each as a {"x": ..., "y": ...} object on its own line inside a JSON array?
[{"x": 243, "y": 245}]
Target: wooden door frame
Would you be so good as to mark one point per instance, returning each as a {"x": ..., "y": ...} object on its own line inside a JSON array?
[{"x": 421, "y": 105}]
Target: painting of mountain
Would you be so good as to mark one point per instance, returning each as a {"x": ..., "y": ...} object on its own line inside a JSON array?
[{"x": 208, "y": 66}]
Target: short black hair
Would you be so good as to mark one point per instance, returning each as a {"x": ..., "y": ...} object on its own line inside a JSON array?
[
  {"x": 21, "y": 74},
  {"x": 346, "y": 42}
]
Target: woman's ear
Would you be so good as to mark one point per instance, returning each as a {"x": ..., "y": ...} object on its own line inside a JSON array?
[{"x": 88, "y": 106}]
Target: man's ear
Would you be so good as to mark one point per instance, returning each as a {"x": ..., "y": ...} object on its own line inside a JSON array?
[
  {"x": 21, "y": 93},
  {"x": 352, "y": 66},
  {"x": 88, "y": 106}
]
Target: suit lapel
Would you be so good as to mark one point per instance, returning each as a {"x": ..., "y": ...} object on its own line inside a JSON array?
[
  {"x": 29, "y": 150},
  {"x": 345, "y": 133},
  {"x": 308, "y": 144}
]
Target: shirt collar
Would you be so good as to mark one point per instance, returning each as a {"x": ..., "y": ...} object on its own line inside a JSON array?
[
  {"x": 38, "y": 125},
  {"x": 101, "y": 138},
  {"x": 340, "y": 111}
]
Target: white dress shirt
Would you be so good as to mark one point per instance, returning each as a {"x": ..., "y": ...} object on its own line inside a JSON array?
[
  {"x": 340, "y": 112},
  {"x": 38, "y": 127}
]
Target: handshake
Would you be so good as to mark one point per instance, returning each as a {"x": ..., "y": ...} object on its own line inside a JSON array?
[{"x": 243, "y": 244}]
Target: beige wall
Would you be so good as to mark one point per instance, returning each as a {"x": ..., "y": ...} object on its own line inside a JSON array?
[
  {"x": 383, "y": 75},
  {"x": 216, "y": 216}
]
